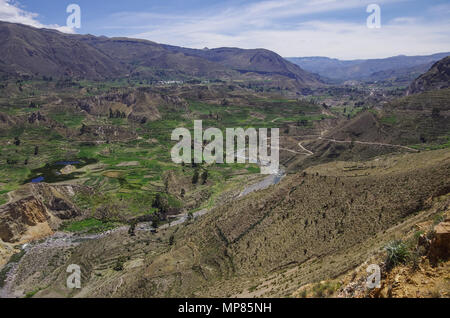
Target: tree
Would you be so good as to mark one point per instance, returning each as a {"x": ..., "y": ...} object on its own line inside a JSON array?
[
  {"x": 302, "y": 122},
  {"x": 195, "y": 177},
  {"x": 435, "y": 112},
  {"x": 204, "y": 177},
  {"x": 157, "y": 203},
  {"x": 119, "y": 264},
  {"x": 131, "y": 230},
  {"x": 155, "y": 221}
]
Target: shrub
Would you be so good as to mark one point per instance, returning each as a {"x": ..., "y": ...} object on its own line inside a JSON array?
[
  {"x": 438, "y": 218},
  {"x": 119, "y": 264},
  {"x": 397, "y": 253},
  {"x": 325, "y": 289},
  {"x": 195, "y": 177}
]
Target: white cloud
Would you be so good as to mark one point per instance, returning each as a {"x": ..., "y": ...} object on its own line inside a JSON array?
[
  {"x": 406, "y": 20},
  {"x": 265, "y": 25},
  {"x": 10, "y": 11},
  {"x": 440, "y": 9}
]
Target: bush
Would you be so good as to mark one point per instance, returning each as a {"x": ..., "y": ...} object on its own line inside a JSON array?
[
  {"x": 326, "y": 289},
  {"x": 120, "y": 264},
  {"x": 438, "y": 218},
  {"x": 397, "y": 253},
  {"x": 195, "y": 177}
]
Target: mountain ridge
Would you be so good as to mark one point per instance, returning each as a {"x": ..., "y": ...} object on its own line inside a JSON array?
[
  {"x": 437, "y": 77},
  {"x": 28, "y": 51}
]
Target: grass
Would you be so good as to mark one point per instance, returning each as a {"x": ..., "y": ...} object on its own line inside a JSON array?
[
  {"x": 392, "y": 120},
  {"x": 68, "y": 119},
  {"x": 32, "y": 293},
  {"x": 326, "y": 289},
  {"x": 90, "y": 225},
  {"x": 438, "y": 218}
]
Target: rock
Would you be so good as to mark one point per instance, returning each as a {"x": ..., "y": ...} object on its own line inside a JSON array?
[
  {"x": 68, "y": 169},
  {"x": 57, "y": 199},
  {"x": 424, "y": 241},
  {"x": 440, "y": 244},
  {"x": 36, "y": 212},
  {"x": 63, "y": 209},
  {"x": 17, "y": 217}
]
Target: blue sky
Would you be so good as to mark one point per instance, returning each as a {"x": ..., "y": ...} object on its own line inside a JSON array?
[{"x": 334, "y": 28}]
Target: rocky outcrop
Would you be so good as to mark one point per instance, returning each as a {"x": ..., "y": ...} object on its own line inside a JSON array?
[
  {"x": 440, "y": 244},
  {"x": 36, "y": 211},
  {"x": 17, "y": 217},
  {"x": 57, "y": 199},
  {"x": 138, "y": 105},
  {"x": 103, "y": 133}
]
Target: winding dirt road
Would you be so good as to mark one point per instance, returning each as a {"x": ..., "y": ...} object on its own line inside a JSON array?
[
  {"x": 308, "y": 152},
  {"x": 369, "y": 143}
]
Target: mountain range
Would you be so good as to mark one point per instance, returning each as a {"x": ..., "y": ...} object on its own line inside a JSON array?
[
  {"x": 27, "y": 51},
  {"x": 397, "y": 67},
  {"x": 34, "y": 53}
]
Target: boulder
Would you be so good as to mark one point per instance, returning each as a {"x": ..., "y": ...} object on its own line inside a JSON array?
[{"x": 440, "y": 244}]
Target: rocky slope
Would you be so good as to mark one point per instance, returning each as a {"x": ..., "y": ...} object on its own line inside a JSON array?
[
  {"x": 438, "y": 77},
  {"x": 35, "y": 52},
  {"x": 423, "y": 272},
  {"x": 246, "y": 61}
]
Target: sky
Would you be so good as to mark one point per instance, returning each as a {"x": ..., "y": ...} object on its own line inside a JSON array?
[{"x": 291, "y": 28}]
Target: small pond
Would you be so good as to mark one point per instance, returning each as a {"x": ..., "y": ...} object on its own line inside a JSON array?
[{"x": 51, "y": 172}]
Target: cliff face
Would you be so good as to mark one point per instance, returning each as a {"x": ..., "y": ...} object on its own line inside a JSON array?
[
  {"x": 17, "y": 217},
  {"x": 36, "y": 212}
]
